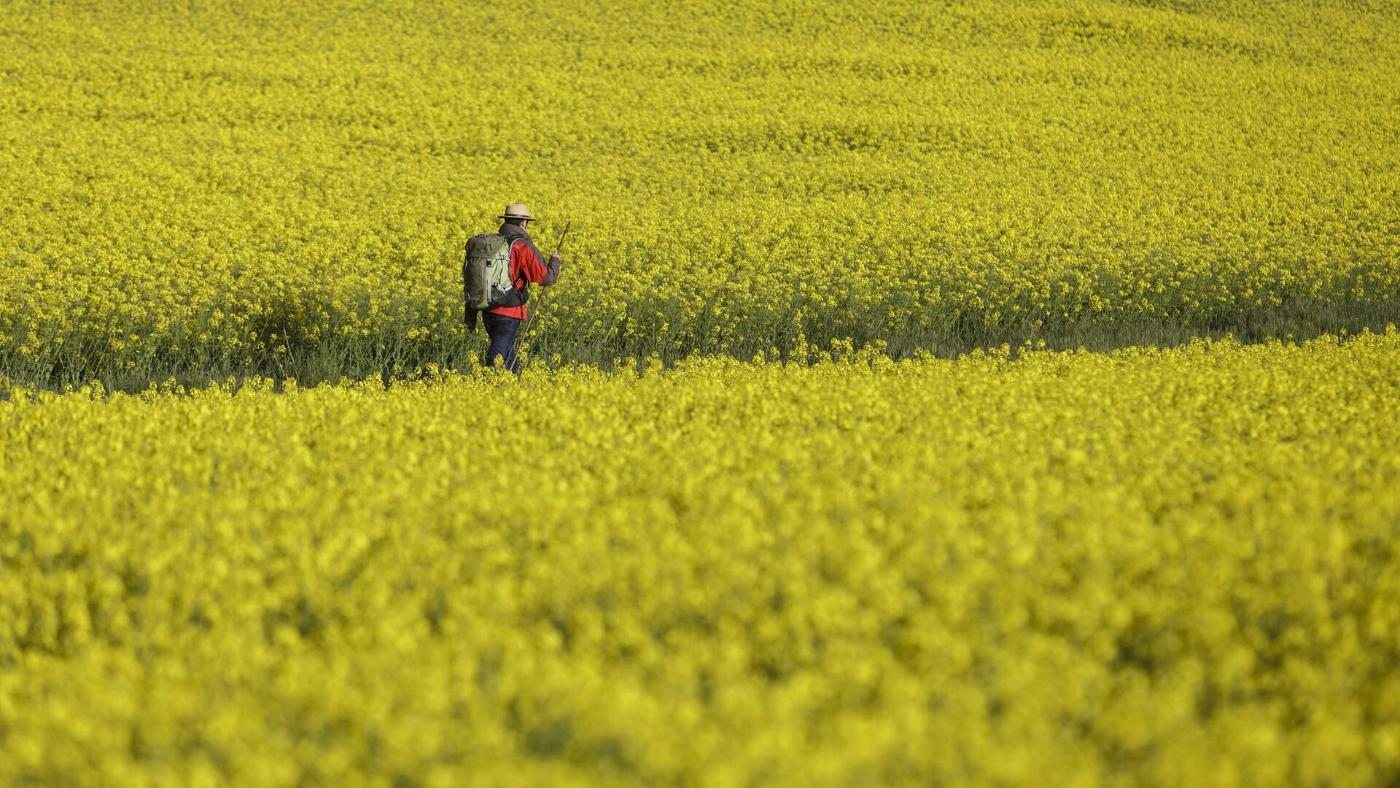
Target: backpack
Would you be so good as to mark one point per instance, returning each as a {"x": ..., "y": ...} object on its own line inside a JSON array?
[{"x": 486, "y": 274}]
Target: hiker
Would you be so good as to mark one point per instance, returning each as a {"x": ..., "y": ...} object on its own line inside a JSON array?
[{"x": 526, "y": 265}]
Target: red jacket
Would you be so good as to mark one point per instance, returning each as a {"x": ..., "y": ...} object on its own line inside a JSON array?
[{"x": 526, "y": 265}]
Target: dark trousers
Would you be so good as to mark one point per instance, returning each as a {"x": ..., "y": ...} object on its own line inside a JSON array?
[{"x": 502, "y": 330}]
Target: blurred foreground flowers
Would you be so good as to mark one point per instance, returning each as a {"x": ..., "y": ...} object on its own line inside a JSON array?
[{"x": 1175, "y": 567}]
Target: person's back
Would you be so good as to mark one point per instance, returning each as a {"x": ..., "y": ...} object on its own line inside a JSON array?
[{"x": 527, "y": 265}]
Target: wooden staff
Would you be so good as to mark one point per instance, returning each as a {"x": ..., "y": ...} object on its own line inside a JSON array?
[{"x": 515, "y": 348}]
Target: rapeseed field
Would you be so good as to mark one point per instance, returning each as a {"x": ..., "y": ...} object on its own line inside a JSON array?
[
  {"x": 815, "y": 474},
  {"x": 1157, "y": 567},
  {"x": 284, "y": 189}
]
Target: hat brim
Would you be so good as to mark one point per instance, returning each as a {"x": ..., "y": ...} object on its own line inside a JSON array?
[{"x": 509, "y": 216}]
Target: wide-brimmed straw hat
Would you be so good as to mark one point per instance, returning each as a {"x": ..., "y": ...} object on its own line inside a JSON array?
[{"x": 516, "y": 210}]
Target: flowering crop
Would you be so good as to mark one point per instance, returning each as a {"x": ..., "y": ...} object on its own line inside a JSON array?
[
  {"x": 285, "y": 188},
  {"x": 1173, "y": 567}
]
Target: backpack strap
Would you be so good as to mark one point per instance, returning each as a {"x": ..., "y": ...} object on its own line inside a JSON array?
[{"x": 523, "y": 283}]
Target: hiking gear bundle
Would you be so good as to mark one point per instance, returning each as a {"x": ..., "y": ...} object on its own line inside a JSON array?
[{"x": 486, "y": 276}]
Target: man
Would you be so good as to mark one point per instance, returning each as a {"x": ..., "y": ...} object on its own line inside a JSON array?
[{"x": 526, "y": 265}]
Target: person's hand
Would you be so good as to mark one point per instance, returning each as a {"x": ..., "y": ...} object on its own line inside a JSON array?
[{"x": 554, "y": 259}]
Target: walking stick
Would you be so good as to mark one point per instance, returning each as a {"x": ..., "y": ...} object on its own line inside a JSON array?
[{"x": 515, "y": 348}]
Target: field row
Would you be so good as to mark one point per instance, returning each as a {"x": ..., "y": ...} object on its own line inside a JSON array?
[
  {"x": 286, "y": 190},
  {"x": 1167, "y": 567}
]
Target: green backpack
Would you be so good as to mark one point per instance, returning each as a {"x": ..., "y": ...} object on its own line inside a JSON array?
[{"x": 486, "y": 273}]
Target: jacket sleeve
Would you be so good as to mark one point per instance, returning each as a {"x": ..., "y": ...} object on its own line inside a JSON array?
[{"x": 531, "y": 266}]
